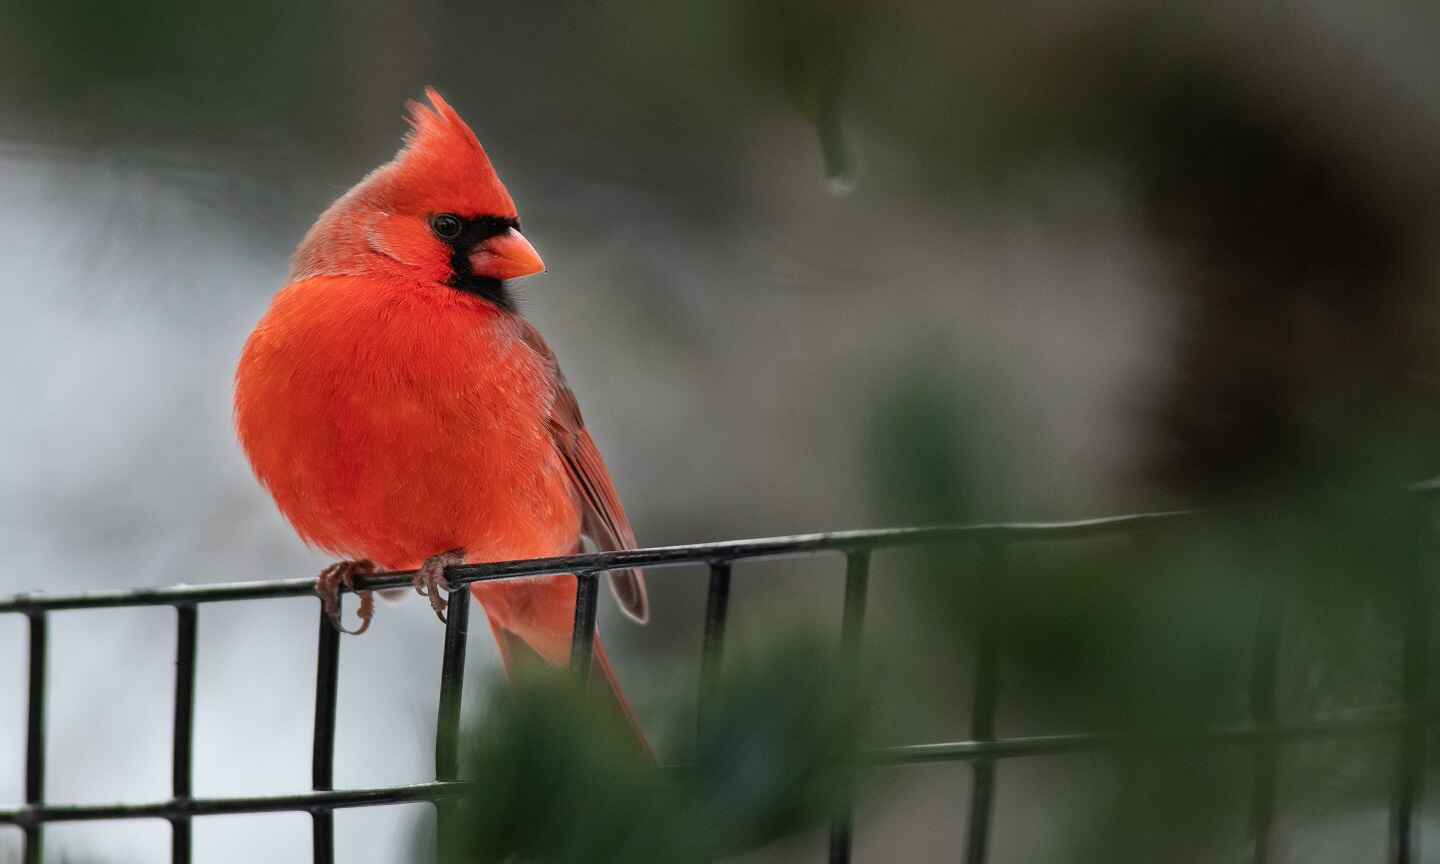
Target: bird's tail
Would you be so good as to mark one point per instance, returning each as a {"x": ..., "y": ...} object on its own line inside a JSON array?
[
  {"x": 610, "y": 690},
  {"x": 516, "y": 654}
]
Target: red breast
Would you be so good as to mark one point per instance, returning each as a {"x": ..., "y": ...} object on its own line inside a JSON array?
[{"x": 393, "y": 421}]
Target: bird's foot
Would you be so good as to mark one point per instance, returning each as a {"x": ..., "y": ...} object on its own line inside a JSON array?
[
  {"x": 328, "y": 584},
  {"x": 430, "y": 579}
]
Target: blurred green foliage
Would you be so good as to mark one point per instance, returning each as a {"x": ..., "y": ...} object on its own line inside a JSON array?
[
  {"x": 1159, "y": 634},
  {"x": 560, "y": 779}
]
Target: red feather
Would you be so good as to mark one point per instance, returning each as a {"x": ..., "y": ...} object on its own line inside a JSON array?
[{"x": 603, "y": 517}]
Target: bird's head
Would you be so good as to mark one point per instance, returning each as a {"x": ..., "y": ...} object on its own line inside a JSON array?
[{"x": 437, "y": 213}]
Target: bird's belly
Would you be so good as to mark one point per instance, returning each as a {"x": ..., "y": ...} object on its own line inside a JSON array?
[
  {"x": 398, "y": 500},
  {"x": 397, "y": 494}
]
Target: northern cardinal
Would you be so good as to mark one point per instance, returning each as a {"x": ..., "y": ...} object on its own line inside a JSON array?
[{"x": 403, "y": 414}]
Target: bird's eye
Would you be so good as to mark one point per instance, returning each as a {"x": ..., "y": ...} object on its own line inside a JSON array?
[{"x": 446, "y": 226}]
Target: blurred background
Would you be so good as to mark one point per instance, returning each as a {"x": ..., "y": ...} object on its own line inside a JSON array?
[{"x": 813, "y": 265}]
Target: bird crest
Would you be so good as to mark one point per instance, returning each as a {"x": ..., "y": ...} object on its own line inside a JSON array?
[{"x": 443, "y": 168}]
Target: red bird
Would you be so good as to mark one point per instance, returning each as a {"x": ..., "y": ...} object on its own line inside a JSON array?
[{"x": 405, "y": 416}]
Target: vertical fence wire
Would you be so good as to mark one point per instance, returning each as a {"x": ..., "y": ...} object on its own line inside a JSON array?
[
  {"x": 35, "y": 736},
  {"x": 582, "y": 639},
  {"x": 993, "y": 561},
  {"x": 857, "y": 584},
  {"x": 322, "y": 760},
  {"x": 712, "y": 652},
  {"x": 1414, "y": 754},
  {"x": 183, "y": 732},
  {"x": 1264, "y": 669},
  {"x": 452, "y": 684}
]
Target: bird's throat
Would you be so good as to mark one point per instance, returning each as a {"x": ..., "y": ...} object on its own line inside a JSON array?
[{"x": 492, "y": 290}]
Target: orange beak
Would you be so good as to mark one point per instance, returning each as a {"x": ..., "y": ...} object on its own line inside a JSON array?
[{"x": 506, "y": 256}]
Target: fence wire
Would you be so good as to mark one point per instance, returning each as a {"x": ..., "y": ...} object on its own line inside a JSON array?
[{"x": 982, "y": 749}]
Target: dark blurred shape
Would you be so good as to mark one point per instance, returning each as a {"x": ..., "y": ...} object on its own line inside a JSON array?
[
  {"x": 804, "y": 45},
  {"x": 1300, "y": 338},
  {"x": 559, "y": 781}
]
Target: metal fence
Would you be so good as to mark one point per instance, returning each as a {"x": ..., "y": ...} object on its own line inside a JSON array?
[{"x": 982, "y": 749}]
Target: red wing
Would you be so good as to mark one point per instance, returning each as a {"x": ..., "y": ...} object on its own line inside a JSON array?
[{"x": 603, "y": 517}]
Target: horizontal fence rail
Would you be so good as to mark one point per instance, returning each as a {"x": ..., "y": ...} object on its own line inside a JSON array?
[
  {"x": 1411, "y": 720},
  {"x": 661, "y": 556}
]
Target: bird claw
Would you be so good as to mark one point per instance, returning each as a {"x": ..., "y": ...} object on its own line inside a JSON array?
[
  {"x": 327, "y": 587},
  {"x": 430, "y": 579}
]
